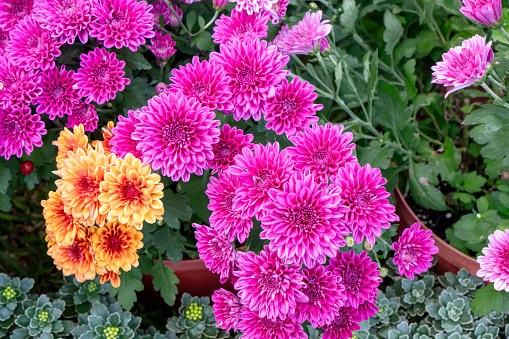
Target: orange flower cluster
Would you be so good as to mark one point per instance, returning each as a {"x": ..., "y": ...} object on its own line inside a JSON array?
[{"x": 94, "y": 217}]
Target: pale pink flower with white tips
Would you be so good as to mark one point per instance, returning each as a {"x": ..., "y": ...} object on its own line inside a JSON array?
[
  {"x": 254, "y": 6},
  {"x": 494, "y": 263},
  {"x": 486, "y": 12},
  {"x": 464, "y": 65}
]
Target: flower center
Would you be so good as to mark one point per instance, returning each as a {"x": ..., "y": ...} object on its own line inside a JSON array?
[
  {"x": 21, "y": 8},
  {"x": 320, "y": 156},
  {"x": 111, "y": 332},
  {"x": 118, "y": 19},
  {"x": 194, "y": 312},
  {"x": 313, "y": 291},
  {"x": 305, "y": 217},
  {"x": 199, "y": 89},
  {"x": 130, "y": 192},
  {"x": 75, "y": 253},
  {"x": 92, "y": 286},
  {"x": 58, "y": 91},
  {"x": 9, "y": 292},
  {"x": 264, "y": 180},
  {"x": 350, "y": 278},
  {"x": 225, "y": 151},
  {"x": 246, "y": 77},
  {"x": 363, "y": 198},
  {"x": 10, "y": 82},
  {"x": 67, "y": 6},
  {"x": 228, "y": 202},
  {"x": 11, "y": 127},
  {"x": 43, "y": 316},
  {"x": 174, "y": 134},
  {"x": 33, "y": 43},
  {"x": 241, "y": 30},
  {"x": 287, "y": 107},
  {"x": 269, "y": 283},
  {"x": 114, "y": 243},
  {"x": 86, "y": 185},
  {"x": 101, "y": 74},
  {"x": 269, "y": 326},
  {"x": 409, "y": 253}
]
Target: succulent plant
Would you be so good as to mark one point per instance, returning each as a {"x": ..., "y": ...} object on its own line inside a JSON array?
[
  {"x": 462, "y": 282},
  {"x": 153, "y": 333},
  {"x": 416, "y": 292},
  {"x": 403, "y": 330},
  {"x": 455, "y": 335},
  {"x": 483, "y": 331},
  {"x": 41, "y": 320},
  {"x": 196, "y": 319},
  {"x": 387, "y": 311},
  {"x": 451, "y": 312},
  {"x": 363, "y": 334},
  {"x": 106, "y": 323},
  {"x": 498, "y": 319},
  {"x": 83, "y": 295},
  {"x": 12, "y": 293}
]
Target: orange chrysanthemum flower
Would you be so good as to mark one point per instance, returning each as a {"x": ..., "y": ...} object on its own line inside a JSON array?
[
  {"x": 115, "y": 246},
  {"x": 107, "y": 135},
  {"x": 69, "y": 141},
  {"x": 81, "y": 176},
  {"x": 76, "y": 259},
  {"x": 131, "y": 193},
  {"x": 111, "y": 277},
  {"x": 60, "y": 224}
]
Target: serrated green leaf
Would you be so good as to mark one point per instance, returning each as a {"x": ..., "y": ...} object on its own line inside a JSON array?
[
  {"x": 426, "y": 41},
  {"x": 376, "y": 156},
  {"x": 175, "y": 207},
  {"x": 393, "y": 32},
  {"x": 422, "y": 186},
  {"x": 373, "y": 75},
  {"x": 137, "y": 93},
  {"x": 392, "y": 111},
  {"x": 349, "y": 16},
  {"x": 473, "y": 182},
  {"x": 447, "y": 163},
  {"x": 494, "y": 117},
  {"x": 133, "y": 60},
  {"x": 203, "y": 41},
  {"x": 32, "y": 179},
  {"x": 169, "y": 242},
  {"x": 5, "y": 203},
  {"x": 130, "y": 283},
  {"x": 5, "y": 178},
  {"x": 165, "y": 281},
  {"x": 486, "y": 299},
  {"x": 195, "y": 189},
  {"x": 410, "y": 78}
]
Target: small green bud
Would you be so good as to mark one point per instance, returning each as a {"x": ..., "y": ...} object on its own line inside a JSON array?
[
  {"x": 43, "y": 316},
  {"x": 111, "y": 332},
  {"x": 9, "y": 293},
  {"x": 384, "y": 271},
  {"x": 92, "y": 286},
  {"x": 313, "y": 6}
]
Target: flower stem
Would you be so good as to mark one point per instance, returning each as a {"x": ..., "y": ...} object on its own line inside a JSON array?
[
  {"x": 178, "y": 18},
  {"x": 496, "y": 82},
  {"x": 504, "y": 33},
  {"x": 211, "y": 21}
]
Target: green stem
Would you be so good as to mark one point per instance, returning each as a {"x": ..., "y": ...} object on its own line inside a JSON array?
[
  {"x": 496, "y": 82},
  {"x": 211, "y": 21},
  {"x": 178, "y": 18},
  {"x": 493, "y": 94},
  {"x": 504, "y": 33}
]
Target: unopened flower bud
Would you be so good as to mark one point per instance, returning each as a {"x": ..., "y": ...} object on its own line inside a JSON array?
[
  {"x": 313, "y": 6},
  {"x": 384, "y": 271},
  {"x": 27, "y": 167},
  {"x": 219, "y": 5},
  {"x": 161, "y": 87}
]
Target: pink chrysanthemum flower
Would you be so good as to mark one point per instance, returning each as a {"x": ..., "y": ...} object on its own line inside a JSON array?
[
  {"x": 227, "y": 308},
  {"x": 4, "y": 37},
  {"x": 174, "y": 19},
  {"x": 304, "y": 37},
  {"x": 358, "y": 274},
  {"x": 65, "y": 19},
  {"x": 32, "y": 47},
  {"x": 268, "y": 285},
  {"x": 162, "y": 46},
  {"x": 463, "y": 65},
  {"x": 291, "y": 110},
  {"x": 326, "y": 296},
  {"x": 322, "y": 150},
  {"x": 414, "y": 250},
  {"x": 363, "y": 192},
  {"x": 216, "y": 251},
  {"x": 305, "y": 223},
  {"x": 224, "y": 219},
  {"x": 219, "y": 5},
  {"x": 240, "y": 26},
  {"x": 19, "y": 87},
  {"x": 494, "y": 264},
  {"x": 205, "y": 81},
  {"x": 19, "y": 131},
  {"x": 278, "y": 10},
  {"x": 59, "y": 95},
  {"x": 367, "y": 309},
  {"x": 83, "y": 113},
  {"x": 346, "y": 321},
  {"x": 122, "y": 141},
  {"x": 122, "y": 23},
  {"x": 254, "y": 6},
  {"x": 254, "y": 70},
  {"x": 231, "y": 142},
  {"x": 254, "y": 326},
  {"x": 258, "y": 172},
  {"x": 486, "y": 12},
  {"x": 160, "y": 8},
  {"x": 13, "y": 11},
  {"x": 100, "y": 76},
  {"x": 176, "y": 135}
]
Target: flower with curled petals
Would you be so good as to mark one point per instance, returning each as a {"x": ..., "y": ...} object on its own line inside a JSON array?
[
  {"x": 162, "y": 46},
  {"x": 231, "y": 142},
  {"x": 122, "y": 23},
  {"x": 254, "y": 6},
  {"x": 359, "y": 275},
  {"x": 84, "y": 114},
  {"x": 494, "y": 263},
  {"x": 107, "y": 135},
  {"x": 486, "y": 12},
  {"x": 19, "y": 87},
  {"x": 240, "y": 26},
  {"x": 122, "y": 141},
  {"x": 278, "y": 10},
  {"x": 322, "y": 150},
  {"x": 115, "y": 246},
  {"x": 346, "y": 321},
  {"x": 267, "y": 285},
  {"x": 216, "y": 251},
  {"x": 254, "y": 326},
  {"x": 131, "y": 193},
  {"x": 112, "y": 277},
  {"x": 70, "y": 141},
  {"x": 227, "y": 308},
  {"x": 367, "y": 308},
  {"x": 13, "y": 11},
  {"x": 305, "y": 223},
  {"x": 160, "y": 8}
]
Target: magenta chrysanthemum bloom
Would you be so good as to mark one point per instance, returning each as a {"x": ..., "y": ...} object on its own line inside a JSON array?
[
  {"x": 122, "y": 23},
  {"x": 304, "y": 37},
  {"x": 257, "y": 172},
  {"x": 346, "y": 321},
  {"x": 367, "y": 309},
  {"x": 20, "y": 87},
  {"x": 176, "y": 134},
  {"x": 322, "y": 150},
  {"x": 231, "y": 142},
  {"x": 414, "y": 250},
  {"x": 358, "y": 274},
  {"x": 19, "y": 131},
  {"x": 254, "y": 70},
  {"x": 32, "y": 47},
  {"x": 305, "y": 223},
  {"x": 205, "y": 81},
  {"x": 240, "y": 26},
  {"x": 174, "y": 19},
  {"x": 216, "y": 251},
  {"x": 486, "y": 12},
  {"x": 160, "y": 8},
  {"x": 224, "y": 218},
  {"x": 219, "y": 5},
  {"x": 83, "y": 113},
  {"x": 13, "y": 11},
  {"x": 292, "y": 109},
  {"x": 253, "y": 6},
  {"x": 100, "y": 76},
  {"x": 122, "y": 141},
  {"x": 278, "y": 10},
  {"x": 253, "y": 326},
  {"x": 59, "y": 96},
  {"x": 494, "y": 264},
  {"x": 65, "y": 19},
  {"x": 326, "y": 296},
  {"x": 463, "y": 65},
  {"x": 4, "y": 37},
  {"x": 363, "y": 192},
  {"x": 162, "y": 46},
  {"x": 268, "y": 285},
  {"x": 227, "y": 308}
]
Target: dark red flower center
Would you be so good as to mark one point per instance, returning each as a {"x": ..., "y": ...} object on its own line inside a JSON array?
[
  {"x": 269, "y": 282},
  {"x": 342, "y": 320},
  {"x": 287, "y": 107},
  {"x": 11, "y": 126},
  {"x": 351, "y": 277},
  {"x": 130, "y": 192},
  {"x": 313, "y": 290},
  {"x": 114, "y": 243},
  {"x": 363, "y": 198},
  {"x": 305, "y": 217},
  {"x": 86, "y": 185},
  {"x": 118, "y": 19},
  {"x": 199, "y": 89},
  {"x": 75, "y": 252},
  {"x": 175, "y": 133}
]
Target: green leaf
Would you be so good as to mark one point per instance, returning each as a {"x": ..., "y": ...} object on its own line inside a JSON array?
[
  {"x": 195, "y": 189},
  {"x": 483, "y": 204},
  {"x": 5, "y": 203},
  {"x": 373, "y": 76},
  {"x": 410, "y": 78},
  {"x": 494, "y": 117},
  {"x": 5, "y": 178},
  {"x": 165, "y": 281},
  {"x": 422, "y": 186},
  {"x": 201, "y": 22},
  {"x": 392, "y": 111},
  {"x": 426, "y": 41},
  {"x": 130, "y": 283},
  {"x": 349, "y": 16},
  {"x": 404, "y": 50},
  {"x": 486, "y": 299},
  {"x": 203, "y": 41},
  {"x": 137, "y": 93},
  {"x": 455, "y": 241},
  {"x": 472, "y": 182},
  {"x": 32, "y": 179},
  {"x": 169, "y": 242},
  {"x": 133, "y": 60},
  {"x": 254, "y": 242},
  {"x": 447, "y": 163},
  {"x": 375, "y": 155},
  {"x": 393, "y": 32},
  {"x": 175, "y": 207},
  {"x": 191, "y": 20}
]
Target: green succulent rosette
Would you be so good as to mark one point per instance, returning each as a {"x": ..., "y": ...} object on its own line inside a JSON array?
[
  {"x": 451, "y": 312},
  {"x": 463, "y": 282},
  {"x": 81, "y": 296},
  {"x": 12, "y": 293}
]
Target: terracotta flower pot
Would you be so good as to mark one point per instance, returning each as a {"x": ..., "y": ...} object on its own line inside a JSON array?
[{"x": 449, "y": 258}]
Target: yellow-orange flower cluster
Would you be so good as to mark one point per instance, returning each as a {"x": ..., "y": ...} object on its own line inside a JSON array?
[{"x": 94, "y": 217}]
